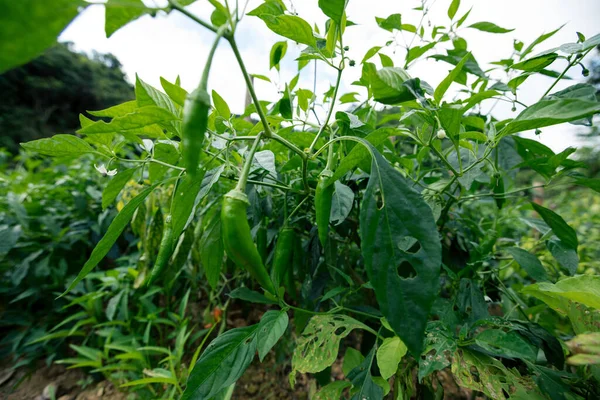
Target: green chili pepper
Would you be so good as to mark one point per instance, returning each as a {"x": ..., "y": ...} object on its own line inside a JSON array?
[
  {"x": 261, "y": 241},
  {"x": 498, "y": 189},
  {"x": 164, "y": 251},
  {"x": 237, "y": 238},
  {"x": 282, "y": 260},
  {"x": 195, "y": 121},
  {"x": 323, "y": 197}
]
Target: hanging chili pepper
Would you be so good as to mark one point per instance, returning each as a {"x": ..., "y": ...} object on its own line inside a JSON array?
[
  {"x": 164, "y": 251},
  {"x": 282, "y": 260},
  {"x": 323, "y": 198}
]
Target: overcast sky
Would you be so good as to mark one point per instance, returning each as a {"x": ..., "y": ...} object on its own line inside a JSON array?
[{"x": 174, "y": 45}]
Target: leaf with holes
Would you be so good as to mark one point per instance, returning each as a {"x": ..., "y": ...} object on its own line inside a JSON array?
[
  {"x": 317, "y": 348},
  {"x": 401, "y": 249},
  {"x": 439, "y": 347}
]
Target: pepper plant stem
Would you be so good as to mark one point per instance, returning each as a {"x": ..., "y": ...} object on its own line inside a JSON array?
[
  {"x": 324, "y": 126},
  {"x": 178, "y": 7},
  {"x": 241, "y": 185}
]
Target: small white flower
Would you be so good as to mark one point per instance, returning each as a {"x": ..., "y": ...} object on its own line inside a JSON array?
[
  {"x": 102, "y": 169},
  {"x": 148, "y": 145},
  {"x": 487, "y": 299},
  {"x": 441, "y": 134}
]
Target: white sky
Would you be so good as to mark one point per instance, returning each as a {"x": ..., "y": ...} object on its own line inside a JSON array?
[{"x": 174, "y": 45}]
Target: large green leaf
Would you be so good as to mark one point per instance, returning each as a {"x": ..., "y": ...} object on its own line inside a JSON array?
[
  {"x": 388, "y": 86},
  {"x": 147, "y": 95},
  {"x": 584, "y": 289},
  {"x": 273, "y": 325},
  {"x": 291, "y": 27},
  {"x": 550, "y": 112},
  {"x": 119, "y": 13},
  {"x": 142, "y": 121},
  {"x": 401, "y": 249},
  {"x": 529, "y": 263},
  {"x": 222, "y": 363},
  {"x": 334, "y": 9},
  {"x": 566, "y": 256},
  {"x": 28, "y": 27},
  {"x": 506, "y": 344},
  {"x": 560, "y": 228},
  {"x": 59, "y": 146},
  {"x": 110, "y": 237},
  {"x": 332, "y": 391},
  {"x": 366, "y": 388}
]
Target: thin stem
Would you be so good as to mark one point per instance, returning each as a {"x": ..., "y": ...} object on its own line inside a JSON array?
[
  {"x": 257, "y": 105},
  {"x": 241, "y": 185},
  {"x": 154, "y": 161},
  {"x": 176, "y": 6},
  {"x": 335, "y": 91},
  {"x": 285, "y": 222},
  {"x": 204, "y": 80},
  {"x": 569, "y": 66},
  {"x": 441, "y": 157},
  {"x": 289, "y": 145},
  {"x": 262, "y": 183}
]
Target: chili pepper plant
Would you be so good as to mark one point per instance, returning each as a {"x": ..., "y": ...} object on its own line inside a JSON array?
[{"x": 398, "y": 214}]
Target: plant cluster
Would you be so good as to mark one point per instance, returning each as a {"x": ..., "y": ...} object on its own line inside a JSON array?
[{"x": 402, "y": 217}]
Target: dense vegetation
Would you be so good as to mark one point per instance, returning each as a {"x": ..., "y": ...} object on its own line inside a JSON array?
[{"x": 414, "y": 227}]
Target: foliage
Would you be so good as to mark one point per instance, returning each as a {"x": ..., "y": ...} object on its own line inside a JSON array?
[{"x": 439, "y": 250}]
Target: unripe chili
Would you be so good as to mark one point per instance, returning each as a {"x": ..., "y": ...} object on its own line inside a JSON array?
[
  {"x": 195, "y": 122},
  {"x": 164, "y": 251},
  {"x": 282, "y": 260},
  {"x": 323, "y": 198},
  {"x": 237, "y": 238}
]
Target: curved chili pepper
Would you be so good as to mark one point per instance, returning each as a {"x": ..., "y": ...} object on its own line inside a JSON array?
[
  {"x": 237, "y": 238},
  {"x": 323, "y": 197},
  {"x": 282, "y": 260},
  {"x": 164, "y": 251}
]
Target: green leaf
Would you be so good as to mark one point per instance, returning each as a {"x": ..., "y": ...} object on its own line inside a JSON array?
[
  {"x": 584, "y": 289},
  {"x": 116, "y": 111},
  {"x": 536, "y": 64},
  {"x": 277, "y": 53},
  {"x": 212, "y": 250},
  {"x": 175, "y": 92},
  {"x": 146, "y": 381},
  {"x": 147, "y": 95},
  {"x": 110, "y": 237},
  {"x": 114, "y": 187},
  {"x": 506, "y": 344},
  {"x": 417, "y": 51},
  {"x": 222, "y": 363},
  {"x": 478, "y": 98},
  {"x": 318, "y": 346},
  {"x": 529, "y": 263},
  {"x": 489, "y": 27},
  {"x": 291, "y": 27},
  {"x": 28, "y": 27},
  {"x": 550, "y": 112},
  {"x": 592, "y": 183},
  {"x": 142, "y": 121},
  {"x": 439, "y": 348},
  {"x": 591, "y": 42},
  {"x": 363, "y": 381},
  {"x": 332, "y": 391},
  {"x": 386, "y": 61},
  {"x": 359, "y": 153},
  {"x": 390, "y": 23},
  {"x": 537, "y": 41},
  {"x": 453, "y": 8},
  {"x": 388, "y": 86},
  {"x": 341, "y": 203},
  {"x": 221, "y": 105},
  {"x": 445, "y": 84},
  {"x": 165, "y": 152},
  {"x": 566, "y": 256},
  {"x": 370, "y": 53},
  {"x": 334, "y": 9},
  {"x": 400, "y": 240},
  {"x": 352, "y": 359},
  {"x": 273, "y": 325},
  {"x": 389, "y": 355},
  {"x": 59, "y": 146},
  {"x": 269, "y": 7},
  {"x": 558, "y": 225},
  {"x": 243, "y": 293},
  {"x": 119, "y": 13}
]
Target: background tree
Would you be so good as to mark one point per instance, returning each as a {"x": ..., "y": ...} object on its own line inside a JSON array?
[{"x": 46, "y": 95}]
